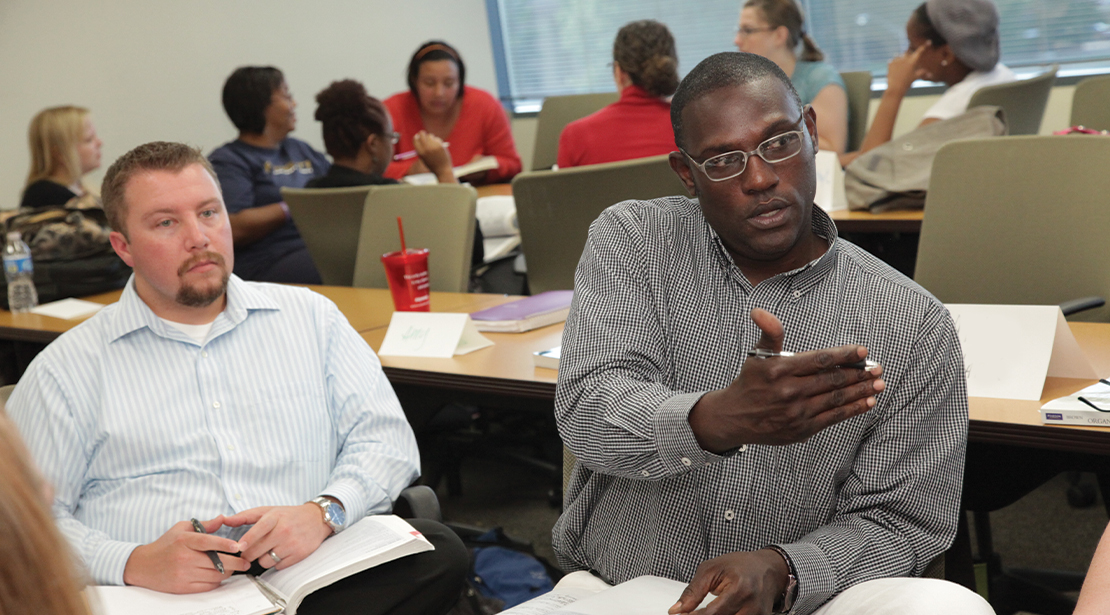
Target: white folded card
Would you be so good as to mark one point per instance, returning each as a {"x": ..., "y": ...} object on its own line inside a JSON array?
[
  {"x": 830, "y": 194},
  {"x": 68, "y": 308},
  {"x": 427, "y": 334},
  {"x": 1010, "y": 349}
]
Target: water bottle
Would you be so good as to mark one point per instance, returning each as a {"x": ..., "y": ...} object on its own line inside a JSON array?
[{"x": 19, "y": 270}]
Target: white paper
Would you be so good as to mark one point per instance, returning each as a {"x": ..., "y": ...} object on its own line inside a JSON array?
[
  {"x": 1010, "y": 349},
  {"x": 68, "y": 308},
  {"x": 237, "y": 596},
  {"x": 549, "y": 602},
  {"x": 644, "y": 595},
  {"x": 497, "y": 216},
  {"x": 830, "y": 194},
  {"x": 427, "y": 334}
]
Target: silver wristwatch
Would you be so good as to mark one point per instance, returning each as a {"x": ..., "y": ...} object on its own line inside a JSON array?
[{"x": 334, "y": 515}]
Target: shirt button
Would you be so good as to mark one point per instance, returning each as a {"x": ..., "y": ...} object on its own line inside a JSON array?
[
  {"x": 238, "y": 496},
  {"x": 216, "y": 405},
  {"x": 729, "y": 515},
  {"x": 204, "y": 354},
  {"x": 743, "y": 447},
  {"x": 797, "y": 294},
  {"x": 230, "y": 447},
  {"x": 645, "y": 473},
  {"x": 686, "y": 461}
]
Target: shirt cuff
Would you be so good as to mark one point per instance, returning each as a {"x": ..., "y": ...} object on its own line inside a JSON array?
[
  {"x": 356, "y": 502},
  {"x": 816, "y": 579},
  {"x": 678, "y": 448},
  {"x": 109, "y": 561}
]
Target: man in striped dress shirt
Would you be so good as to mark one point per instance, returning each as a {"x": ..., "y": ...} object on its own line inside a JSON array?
[
  {"x": 255, "y": 407},
  {"x": 778, "y": 483}
]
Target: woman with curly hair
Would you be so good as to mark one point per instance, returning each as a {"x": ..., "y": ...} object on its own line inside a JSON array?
[
  {"x": 358, "y": 134},
  {"x": 645, "y": 69}
]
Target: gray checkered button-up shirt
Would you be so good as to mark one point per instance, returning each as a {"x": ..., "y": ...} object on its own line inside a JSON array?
[{"x": 661, "y": 316}]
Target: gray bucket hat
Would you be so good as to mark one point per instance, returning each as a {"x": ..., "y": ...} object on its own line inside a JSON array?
[{"x": 971, "y": 29}]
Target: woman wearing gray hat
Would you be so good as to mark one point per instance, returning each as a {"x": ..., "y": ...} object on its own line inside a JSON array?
[{"x": 951, "y": 41}]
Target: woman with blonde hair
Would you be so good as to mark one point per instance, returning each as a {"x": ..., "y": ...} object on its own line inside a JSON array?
[
  {"x": 64, "y": 147},
  {"x": 645, "y": 69},
  {"x": 775, "y": 29},
  {"x": 36, "y": 572}
]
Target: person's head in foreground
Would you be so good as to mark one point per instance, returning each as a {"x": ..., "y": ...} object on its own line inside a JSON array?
[
  {"x": 64, "y": 145},
  {"x": 36, "y": 573},
  {"x": 957, "y": 37},
  {"x": 169, "y": 224},
  {"x": 258, "y": 101},
  {"x": 644, "y": 55},
  {"x": 747, "y": 148}
]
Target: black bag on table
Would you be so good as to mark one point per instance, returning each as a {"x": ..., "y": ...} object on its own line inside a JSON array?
[{"x": 71, "y": 252}]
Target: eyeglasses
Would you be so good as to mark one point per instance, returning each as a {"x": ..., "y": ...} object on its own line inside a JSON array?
[
  {"x": 730, "y": 164},
  {"x": 747, "y": 31},
  {"x": 394, "y": 137}
]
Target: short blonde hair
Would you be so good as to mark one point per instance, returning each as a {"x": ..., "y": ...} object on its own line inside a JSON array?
[
  {"x": 54, "y": 136},
  {"x": 38, "y": 573}
]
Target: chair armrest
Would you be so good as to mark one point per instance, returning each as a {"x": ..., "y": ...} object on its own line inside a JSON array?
[
  {"x": 418, "y": 502},
  {"x": 1075, "y": 306}
]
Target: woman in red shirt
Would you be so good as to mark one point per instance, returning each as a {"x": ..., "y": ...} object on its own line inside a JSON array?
[
  {"x": 645, "y": 68},
  {"x": 440, "y": 102}
]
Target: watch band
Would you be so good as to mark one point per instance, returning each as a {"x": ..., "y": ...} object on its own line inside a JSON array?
[{"x": 785, "y": 602}]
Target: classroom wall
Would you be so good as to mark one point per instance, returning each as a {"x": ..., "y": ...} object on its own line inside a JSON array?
[{"x": 153, "y": 69}]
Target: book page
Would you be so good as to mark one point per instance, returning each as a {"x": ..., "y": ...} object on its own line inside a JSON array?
[
  {"x": 372, "y": 541},
  {"x": 236, "y": 596},
  {"x": 549, "y": 602},
  {"x": 646, "y": 595}
]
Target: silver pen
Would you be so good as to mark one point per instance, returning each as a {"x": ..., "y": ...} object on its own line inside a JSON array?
[
  {"x": 763, "y": 353},
  {"x": 211, "y": 554}
]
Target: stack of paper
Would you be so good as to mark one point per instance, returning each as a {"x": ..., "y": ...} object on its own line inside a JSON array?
[
  {"x": 1091, "y": 406},
  {"x": 500, "y": 231}
]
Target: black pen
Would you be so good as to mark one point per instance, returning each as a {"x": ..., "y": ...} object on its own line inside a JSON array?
[
  {"x": 211, "y": 554},
  {"x": 763, "y": 353}
]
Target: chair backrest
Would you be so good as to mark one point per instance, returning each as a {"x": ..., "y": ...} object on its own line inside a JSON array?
[
  {"x": 555, "y": 210},
  {"x": 1020, "y": 220},
  {"x": 1023, "y": 101},
  {"x": 857, "y": 84},
  {"x": 329, "y": 220},
  {"x": 556, "y": 113},
  {"x": 1090, "y": 104},
  {"x": 439, "y": 217}
]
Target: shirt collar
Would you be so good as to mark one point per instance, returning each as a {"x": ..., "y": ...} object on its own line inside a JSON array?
[
  {"x": 132, "y": 313},
  {"x": 805, "y": 276}
]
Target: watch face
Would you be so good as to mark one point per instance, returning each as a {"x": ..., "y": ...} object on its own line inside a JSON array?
[{"x": 337, "y": 515}]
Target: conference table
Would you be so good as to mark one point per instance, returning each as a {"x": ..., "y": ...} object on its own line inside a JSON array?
[{"x": 505, "y": 370}]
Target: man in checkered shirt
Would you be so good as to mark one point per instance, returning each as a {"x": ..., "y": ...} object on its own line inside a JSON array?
[{"x": 781, "y": 484}]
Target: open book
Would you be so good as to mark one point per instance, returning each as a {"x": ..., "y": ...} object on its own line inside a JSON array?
[
  {"x": 370, "y": 542},
  {"x": 485, "y": 163},
  {"x": 646, "y": 594}
]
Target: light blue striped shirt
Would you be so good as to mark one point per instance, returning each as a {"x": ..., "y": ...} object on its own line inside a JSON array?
[{"x": 139, "y": 427}]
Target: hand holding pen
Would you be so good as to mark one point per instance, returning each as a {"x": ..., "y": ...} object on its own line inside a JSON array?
[
  {"x": 212, "y": 555},
  {"x": 785, "y": 398},
  {"x": 180, "y": 561}
]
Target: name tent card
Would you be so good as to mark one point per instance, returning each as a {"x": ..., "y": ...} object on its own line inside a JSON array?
[
  {"x": 830, "y": 194},
  {"x": 428, "y": 334},
  {"x": 1009, "y": 350}
]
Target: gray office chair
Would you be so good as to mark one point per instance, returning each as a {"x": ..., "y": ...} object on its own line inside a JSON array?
[
  {"x": 857, "y": 84},
  {"x": 439, "y": 217},
  {"x": 555, "y": 209},
  {"x": 329, "y": 220},
  {"x": 1018, "y": 220},
  {"x": 556, "y": 113},
  {"x": 1090, "y": 104},
  {"x": 1023, "y": 101}
]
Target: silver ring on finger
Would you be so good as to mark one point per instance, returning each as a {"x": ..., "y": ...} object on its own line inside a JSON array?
[{"x": 273, "y": 556}]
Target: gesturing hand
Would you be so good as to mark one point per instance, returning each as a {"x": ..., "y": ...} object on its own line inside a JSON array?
[
  {"x": 745, "y": 583},
  {"x": 783, "y": 400},
  {"x": 177, "y": 561},
  {"x": 904, "y": 69},
  {"x": 290, "y": 532}
]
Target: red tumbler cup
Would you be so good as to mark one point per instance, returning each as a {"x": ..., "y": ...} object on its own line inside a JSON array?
[{"x": 407, "y": 273}]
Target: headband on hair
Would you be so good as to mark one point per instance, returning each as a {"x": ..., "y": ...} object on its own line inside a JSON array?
[{"x": 436, "y": 47}]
